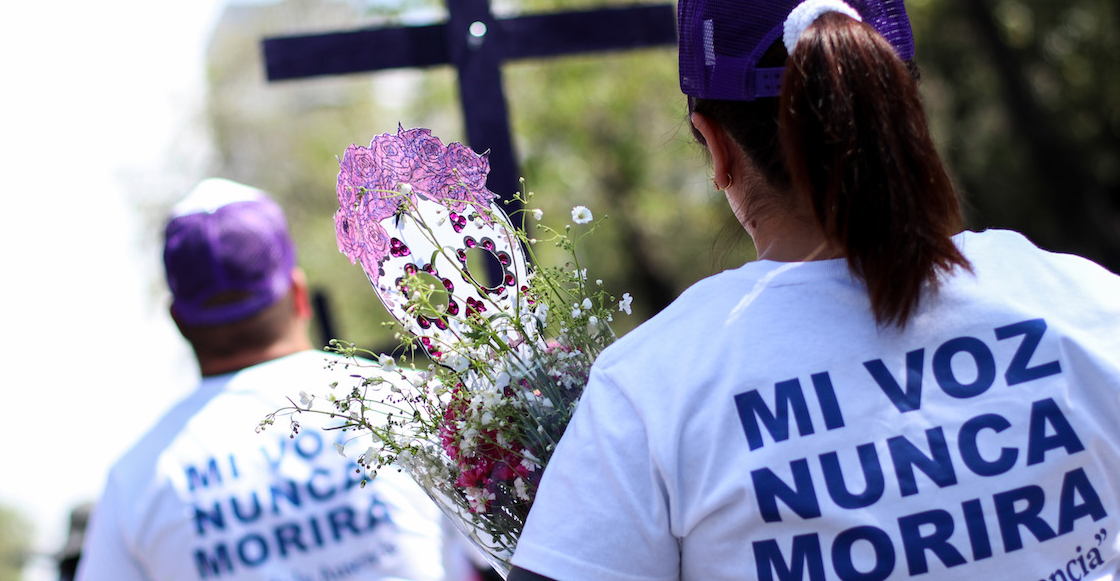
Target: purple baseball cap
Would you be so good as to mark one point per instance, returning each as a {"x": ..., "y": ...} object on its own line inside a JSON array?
[
  {"x": 227, "y": 253},
  {"x": 721, "y": 42}
]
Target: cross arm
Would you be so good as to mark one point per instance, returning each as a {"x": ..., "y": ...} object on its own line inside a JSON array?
[
  {"x": 599, "y": 30},
  {"x": 337, "y": 53}
]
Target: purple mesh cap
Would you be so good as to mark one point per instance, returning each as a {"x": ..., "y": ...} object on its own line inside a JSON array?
[
  {"x": 721, "y": 42},
  {"x": 227, "y": 253}
]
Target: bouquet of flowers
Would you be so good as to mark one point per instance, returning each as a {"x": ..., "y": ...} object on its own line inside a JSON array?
[{"x": 495, "y": 349}]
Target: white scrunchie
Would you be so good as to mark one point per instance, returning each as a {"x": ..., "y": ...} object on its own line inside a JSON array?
[{"x": 806, "y": 13}]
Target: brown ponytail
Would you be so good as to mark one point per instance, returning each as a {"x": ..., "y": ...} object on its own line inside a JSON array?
[{"x": 855, "y": 141}]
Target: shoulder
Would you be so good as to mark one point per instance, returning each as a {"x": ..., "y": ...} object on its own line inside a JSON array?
[
  {"x": 692, "y": 310},
  {"x": 1007, "y": 258},
  {"x": 1011, "y": 248},
  {"x": 760, "y": 299}
]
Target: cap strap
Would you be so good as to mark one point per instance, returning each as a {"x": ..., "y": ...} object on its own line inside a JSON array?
[
  {"x": 807, "y": 13},
  {"x": 768, "y": 82}
]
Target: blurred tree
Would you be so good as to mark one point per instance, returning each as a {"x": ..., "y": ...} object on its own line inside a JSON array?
[
  {"x": 15, "y": 544},
  {"x": 1023, "y": 96},
  {"x": 1027, "y": 102},
  {"x": 585, "y": 128},
  {"x": 284, "y": 138}
]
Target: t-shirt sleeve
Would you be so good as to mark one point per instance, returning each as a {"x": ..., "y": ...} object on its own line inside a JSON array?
[
  {"x": 105, "y": 553},
  {"x": 601, "y": 511}
]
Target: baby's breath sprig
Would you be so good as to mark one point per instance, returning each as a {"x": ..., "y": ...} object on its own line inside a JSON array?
[{"x": 487, "y": 373}]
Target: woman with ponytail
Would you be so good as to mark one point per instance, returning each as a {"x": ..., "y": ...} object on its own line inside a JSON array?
[{"x": 882, "y": 394}]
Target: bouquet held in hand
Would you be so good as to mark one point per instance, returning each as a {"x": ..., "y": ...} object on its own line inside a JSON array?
[{"x": 495, "y": 348}]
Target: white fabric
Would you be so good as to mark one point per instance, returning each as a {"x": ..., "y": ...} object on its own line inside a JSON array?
[
  {"x": 708, "y": 445},
  {"x": 807, "y": 13},
  {"x": 203, "y": 496},
  {"x": 213, "y": 193}
]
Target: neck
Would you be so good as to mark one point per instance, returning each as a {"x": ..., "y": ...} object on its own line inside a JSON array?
[
  {"x": 210, "y": 364},
  {"x": 784, "y": 236}
]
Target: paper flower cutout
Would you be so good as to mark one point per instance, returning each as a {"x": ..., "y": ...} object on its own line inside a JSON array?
[{"x": 408, "y": 204}]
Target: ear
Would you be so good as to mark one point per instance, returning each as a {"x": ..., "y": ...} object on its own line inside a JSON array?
[
  {"x": 301, "y": 296},
  {"x": 720, "y": 145},
  {"x": 175, "y": 318}
]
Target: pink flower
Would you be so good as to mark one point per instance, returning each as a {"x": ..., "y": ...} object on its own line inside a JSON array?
[
  {"x": 348, "y": 193},
  {"x": 428, "y": 165},
  {"x": 374, "y": 242},
  {"x": 392, "y": 155},
  {"x": 471, "y": 168},
  {"x": 375, "y": 206},
  {"x": 345, "y": 233}
]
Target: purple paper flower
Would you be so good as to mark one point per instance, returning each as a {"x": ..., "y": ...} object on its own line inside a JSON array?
[
  {"x": 345, "y": 232},
  {"x": 370, "y": 179}
]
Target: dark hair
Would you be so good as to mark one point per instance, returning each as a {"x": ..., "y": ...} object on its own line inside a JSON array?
[
  {"x": 256, "y": 332},
  {"x": 849, "y": 132},
  {"x": 752, "y": 124}
]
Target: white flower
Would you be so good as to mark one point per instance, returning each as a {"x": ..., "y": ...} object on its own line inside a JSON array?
[
  {"x": 455, "y": 361},
  {"x": 467, "y": 439},
  {"x": 341, "y": 449},
  {"x": 530, "y": 462},
  {"x": 586, "y": 303},
  {"x": 406, "y": 189},
  {"x": 305, "y": 399},
  {"x": 479, "y": 498},
  {"x": 576, "y": 312},
  {"x": 592, "y": 322},
  {"x": 581, "y": 215},
  {"x": 519, "y": 489},
  {"x": 538, "y": 214},
  {"x": 478, "y": 222},
  {"x": 599, "y": 281},
  {"x": 387, "y": 362},
  {"x": 624, "y": 304},
  {"x": 369, "y": 457}
]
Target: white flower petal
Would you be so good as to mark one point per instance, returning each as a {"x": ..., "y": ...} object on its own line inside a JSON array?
[
  {"x": 387, "y": 362},
  {"x": 624, "y": 304}
]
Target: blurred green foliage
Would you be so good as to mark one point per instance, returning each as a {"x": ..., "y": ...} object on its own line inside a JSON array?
[
  {"x": 1025, "y": 99},
  {"x": 15, "y": 544},
  {"x": 1023, "y": 96}
]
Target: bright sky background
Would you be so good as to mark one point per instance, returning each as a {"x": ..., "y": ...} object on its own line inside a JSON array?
[{"x": 97, "y": 96}]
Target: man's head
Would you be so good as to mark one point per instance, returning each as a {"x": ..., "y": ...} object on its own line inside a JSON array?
[
  {"x": 231, "y": 268},
  {"x": 227, "y": 254}
]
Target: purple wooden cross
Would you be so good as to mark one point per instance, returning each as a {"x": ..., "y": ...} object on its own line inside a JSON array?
[{"x": 476, "y": 43}]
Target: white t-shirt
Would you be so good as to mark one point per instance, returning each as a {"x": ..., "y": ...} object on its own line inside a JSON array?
[
  {"x": 763, "y": 427},
  {"x": 203, "y": 496}
]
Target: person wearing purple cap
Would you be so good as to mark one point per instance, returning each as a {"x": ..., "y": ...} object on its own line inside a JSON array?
[
  {"x": 882, "y": 394},
  {"x": 203, "y": 495}
]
